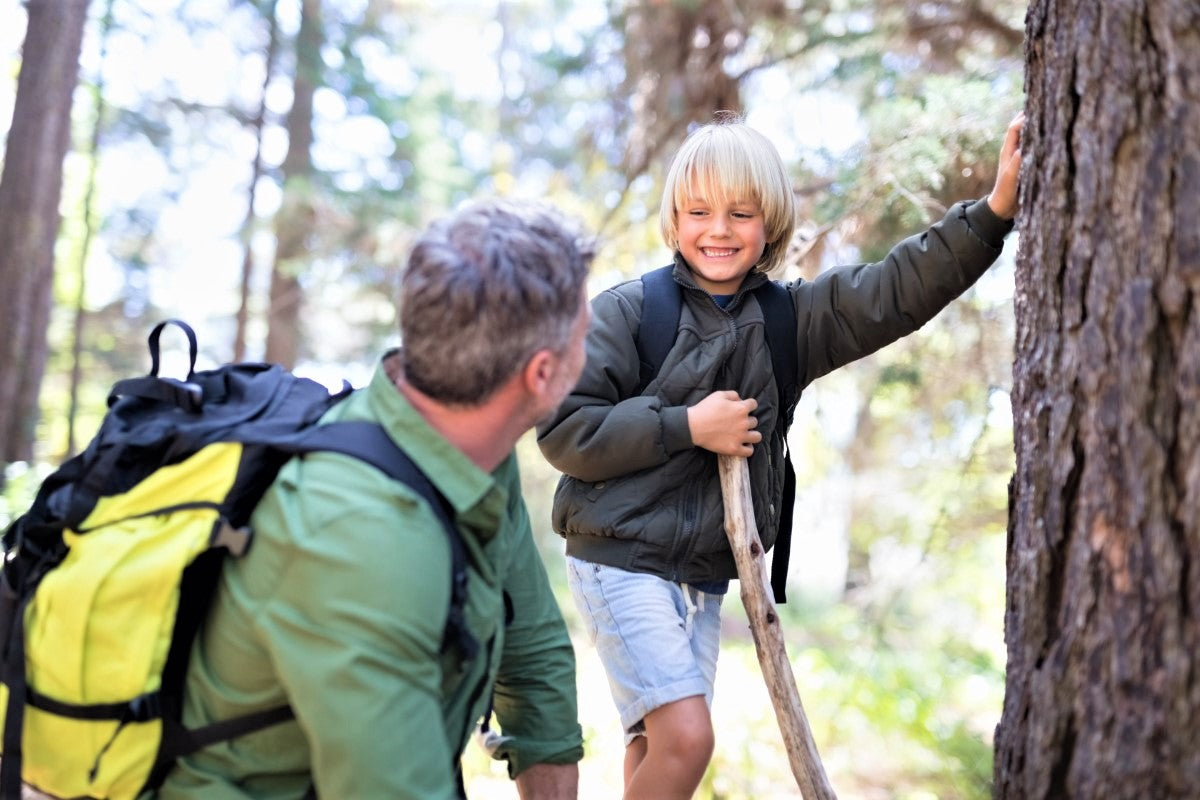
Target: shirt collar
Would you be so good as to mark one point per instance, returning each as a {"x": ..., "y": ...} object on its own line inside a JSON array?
[{"x": 460, "y": 480}]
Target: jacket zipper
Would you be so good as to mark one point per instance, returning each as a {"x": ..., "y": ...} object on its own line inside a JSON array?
[
  {"x": 686, "y": 543},
  {"x": 683, "y": 545}
]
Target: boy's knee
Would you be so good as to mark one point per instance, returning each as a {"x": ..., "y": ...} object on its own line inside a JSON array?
[
  {"x": 695, "y": 744},
  {"x": 683, "y": 731}
]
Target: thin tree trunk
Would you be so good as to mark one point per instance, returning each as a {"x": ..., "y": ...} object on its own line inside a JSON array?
[
  {"x": 30, "y": 189},
  {"x": 256, "y": 172},
  {"x": 294, "y": 221},
  {"x": 89, "y": 230},
  {"x": 1103, "y": 692}
]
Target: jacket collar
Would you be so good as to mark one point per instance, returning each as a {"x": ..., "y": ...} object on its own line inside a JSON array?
[{"x": 684, "y": 277}]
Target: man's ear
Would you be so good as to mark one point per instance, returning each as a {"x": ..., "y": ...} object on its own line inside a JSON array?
[{"x": 539, "y": 372}]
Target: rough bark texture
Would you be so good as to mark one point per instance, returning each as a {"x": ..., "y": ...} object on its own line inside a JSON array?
[
  {"x": 30, "y": 189},
  {"x": 1103, "y": 695},
  {"x": 294, "y": 222}
]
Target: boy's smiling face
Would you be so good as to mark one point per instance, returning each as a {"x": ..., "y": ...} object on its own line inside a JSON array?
[{"x": 721, "y": 240}]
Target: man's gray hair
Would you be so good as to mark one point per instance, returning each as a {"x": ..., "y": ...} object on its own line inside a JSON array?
[{"x": 485, "y": 288}]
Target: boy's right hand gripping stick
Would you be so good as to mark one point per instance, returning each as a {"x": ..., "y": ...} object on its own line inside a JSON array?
[{"x": 759, "y": 602}]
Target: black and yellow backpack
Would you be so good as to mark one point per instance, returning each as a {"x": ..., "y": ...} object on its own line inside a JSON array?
[{"x": 108, "y": 576}]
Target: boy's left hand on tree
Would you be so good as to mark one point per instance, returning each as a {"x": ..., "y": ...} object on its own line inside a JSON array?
[{"x": 1003, "y": 198}]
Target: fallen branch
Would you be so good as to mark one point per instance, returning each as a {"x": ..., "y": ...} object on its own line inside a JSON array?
[{"x": 768, "y": 635}]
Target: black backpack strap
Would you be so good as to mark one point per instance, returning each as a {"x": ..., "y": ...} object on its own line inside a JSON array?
[
  {"x": 183, "y": 741},
  {"x": 779, "y": 316},
  {"x": 783, "y": 537},
  {"x": 662, "y": 303},
  {"x": 193, "y": 347},
  {"x": 368, "y": 442},
  {"x": 14, "y": 677}
]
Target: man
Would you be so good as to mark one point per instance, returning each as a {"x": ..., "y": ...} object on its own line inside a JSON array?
[{"x": 340, "y": 605}]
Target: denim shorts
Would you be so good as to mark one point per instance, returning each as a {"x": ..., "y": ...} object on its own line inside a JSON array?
[{"x": 657, "y": 640}]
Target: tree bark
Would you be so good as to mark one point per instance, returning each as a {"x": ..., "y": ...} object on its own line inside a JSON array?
[
  {"x": 30, "y": 190},
  {"x": 1103, "y": 693},
  {"x": 294, "y": 222}
]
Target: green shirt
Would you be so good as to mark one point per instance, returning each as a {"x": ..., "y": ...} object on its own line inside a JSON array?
[{"x": 339, "y": 609}]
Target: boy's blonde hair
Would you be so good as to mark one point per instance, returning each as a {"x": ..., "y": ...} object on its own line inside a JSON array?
[{"x": 728, "y": 160}]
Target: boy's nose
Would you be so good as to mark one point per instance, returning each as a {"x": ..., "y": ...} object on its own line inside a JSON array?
[{"x": 720, "y": 226}]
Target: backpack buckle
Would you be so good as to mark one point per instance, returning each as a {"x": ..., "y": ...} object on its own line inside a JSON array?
[
  {"x": 235, "y": 540},
  {"x": 144, "y": 708}
]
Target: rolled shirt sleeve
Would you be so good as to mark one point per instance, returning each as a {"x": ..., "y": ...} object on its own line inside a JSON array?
[{"x": 535, "y": 692}]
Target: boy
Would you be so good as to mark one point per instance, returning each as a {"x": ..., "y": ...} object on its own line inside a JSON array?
[{"x": 640, "y": 501}]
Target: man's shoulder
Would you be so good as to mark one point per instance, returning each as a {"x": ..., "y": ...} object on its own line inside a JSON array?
[{"x": 328, "y": 492}]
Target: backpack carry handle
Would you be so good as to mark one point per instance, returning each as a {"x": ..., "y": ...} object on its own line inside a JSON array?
[
  {"x": 183, "y": 393},
  {"x": 192, "y": 346}
]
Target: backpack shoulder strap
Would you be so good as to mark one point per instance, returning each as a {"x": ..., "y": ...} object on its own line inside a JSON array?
[
  {"x": 779, "y": 316},
  {"x": 662, "y": 304},
  {"x": 368, "y": 442}
]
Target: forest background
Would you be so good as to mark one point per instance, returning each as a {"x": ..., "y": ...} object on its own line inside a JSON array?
[{"x": 260, "y": 169}]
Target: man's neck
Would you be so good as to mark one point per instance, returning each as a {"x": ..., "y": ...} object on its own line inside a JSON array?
[{"x": 486, "y": 433}]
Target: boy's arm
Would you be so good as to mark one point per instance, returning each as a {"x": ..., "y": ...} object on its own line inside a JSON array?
[
  {"x": 850, "y": 312},
  {"x": 600, "y": 431}
]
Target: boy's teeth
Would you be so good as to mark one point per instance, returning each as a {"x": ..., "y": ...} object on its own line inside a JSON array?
[{"x": 712, "y": 251}]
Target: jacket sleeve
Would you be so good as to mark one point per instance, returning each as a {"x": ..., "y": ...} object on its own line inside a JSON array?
[
  {"x": 850, "y": 312},
  {"x": 534, "y": 692},
  {"x": 354, "y": 629},
  {"x": 600, "y": 431}
]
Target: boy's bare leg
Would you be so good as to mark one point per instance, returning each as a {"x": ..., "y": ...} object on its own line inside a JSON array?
[
  {"x": 635, "y": 751},
  {"x": 679, "y": 743}
]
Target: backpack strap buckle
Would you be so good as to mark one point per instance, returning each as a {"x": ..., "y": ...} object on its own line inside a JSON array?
[{"x": 235, "y": 540}]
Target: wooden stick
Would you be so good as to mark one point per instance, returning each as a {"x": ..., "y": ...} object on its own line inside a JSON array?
[{"x": 759, "y": 602}]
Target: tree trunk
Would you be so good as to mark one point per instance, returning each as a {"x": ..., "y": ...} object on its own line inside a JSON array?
[
  {"x": 294, "y": 221},
  {"x": 30, "y": 189},
  {"x": 78, "y": 329},
  {"x": 1103, "y": 693},
  {"x": 256, "y": 172}
]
